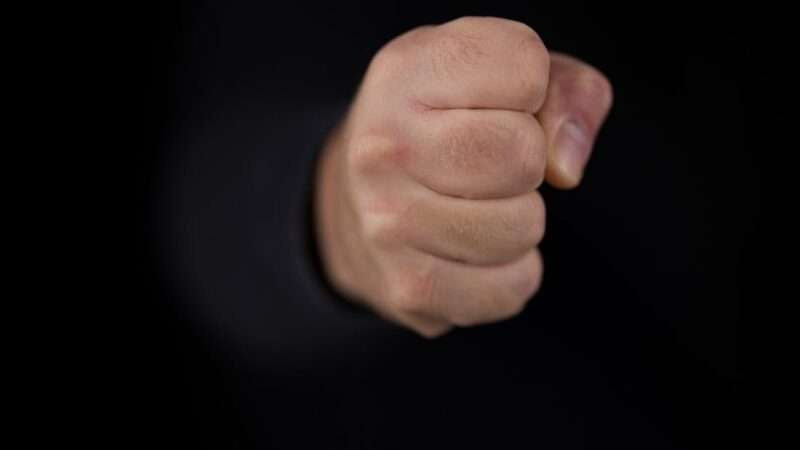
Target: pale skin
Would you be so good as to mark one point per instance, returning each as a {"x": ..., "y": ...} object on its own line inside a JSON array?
[{"x": 426, "y": 207}]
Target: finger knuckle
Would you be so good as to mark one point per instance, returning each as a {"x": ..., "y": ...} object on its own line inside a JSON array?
[
  {"x": 413, "y": 290},
  {"x": 398, "y": 55},
  {"x": 388, "y": 60},
  {"x": 382, "y": 227},
  {"x": 371, "y": 152}
]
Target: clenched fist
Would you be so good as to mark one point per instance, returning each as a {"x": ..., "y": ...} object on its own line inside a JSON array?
[{"x": 426, "y": 203}]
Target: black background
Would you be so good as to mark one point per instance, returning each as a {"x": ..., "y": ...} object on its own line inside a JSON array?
[{"x": 636, "y": 339}]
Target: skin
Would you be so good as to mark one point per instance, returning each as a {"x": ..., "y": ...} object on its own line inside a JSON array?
[{"x": 427, "y": 210}]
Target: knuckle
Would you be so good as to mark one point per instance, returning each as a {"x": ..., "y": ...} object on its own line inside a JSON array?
[
  {"x": 388, "y": 60},
  {"x": 382, "y": 228},
  {"x": 397, "y": 55},
  {"x": 370, "y": 152},
  {"x": 412, "y": 291}
]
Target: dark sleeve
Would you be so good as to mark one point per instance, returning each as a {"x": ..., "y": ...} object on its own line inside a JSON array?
[
  {"x": 238, "y": 252},
  {"x": 254, "y": 91}
]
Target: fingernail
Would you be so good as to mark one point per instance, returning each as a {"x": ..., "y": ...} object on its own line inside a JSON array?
[{"x": 572, "y": 149}]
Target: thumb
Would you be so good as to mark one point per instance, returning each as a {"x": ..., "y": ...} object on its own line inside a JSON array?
[{"x": 578, "y": 100}]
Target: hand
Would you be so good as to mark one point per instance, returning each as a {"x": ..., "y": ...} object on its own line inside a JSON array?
[{"x": 426, "y": 203}]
